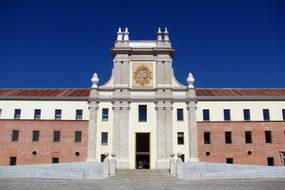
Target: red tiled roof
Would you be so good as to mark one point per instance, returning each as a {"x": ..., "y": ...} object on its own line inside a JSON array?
[
  {"x": 67, "y": 92},
  {"x": 240, "y": 91},
  {"x": 84, "y": 92}
]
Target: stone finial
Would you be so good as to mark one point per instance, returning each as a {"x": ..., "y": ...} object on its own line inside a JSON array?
[
  {"x": 190, "y": 80},
  {"x": 119, "y": 35},
  {"x": 179, "y": 154},
  {"x": 95, "y": 81},
  {"x": 126, "y": 34},
  {"x": 166, "y": 35},
  {"x": 159, "y": 35},
  {"x": 106, "y": 154}
]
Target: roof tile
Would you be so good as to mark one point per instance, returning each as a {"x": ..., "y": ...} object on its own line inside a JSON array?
[
  {"x": 84, "y": 92},
  {"x": 68, "y": 92},
  {"x": 240, "y": 91}
]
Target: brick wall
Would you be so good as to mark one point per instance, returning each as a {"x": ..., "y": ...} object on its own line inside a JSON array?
[
  {"x": 238, "y": 150},
  {"x": 66, "y": 148},
  {"x": 46, "y": 149}
]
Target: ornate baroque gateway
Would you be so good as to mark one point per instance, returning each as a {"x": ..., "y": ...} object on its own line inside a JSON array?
[
  {"x": 142, "y": 116},
  {"x": 142, "y": 93}
]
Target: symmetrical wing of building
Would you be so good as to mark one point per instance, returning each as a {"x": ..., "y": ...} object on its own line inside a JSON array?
[{"x": 142, "y": 116}]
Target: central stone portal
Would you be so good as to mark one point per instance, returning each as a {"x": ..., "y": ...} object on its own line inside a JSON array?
[{"x": 142, "y": 150}]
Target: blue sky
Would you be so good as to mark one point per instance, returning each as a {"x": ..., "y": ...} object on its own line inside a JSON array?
[{"x": 61, "y": 43}]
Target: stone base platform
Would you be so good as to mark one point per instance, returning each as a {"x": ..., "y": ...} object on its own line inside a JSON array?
[
  {"x": 79, "y": 170},
  {"x": 202, "y": 170}
]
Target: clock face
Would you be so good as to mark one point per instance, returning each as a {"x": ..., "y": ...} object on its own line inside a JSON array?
[{"x": 142, "y": 75}]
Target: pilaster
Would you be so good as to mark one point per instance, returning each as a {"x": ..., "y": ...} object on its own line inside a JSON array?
[
  {"x": 92, "y": 131},
  {"x": 164, "y": 132},
  {"x": 121, "y": 132},
  {"x": 192, "y": 125}
]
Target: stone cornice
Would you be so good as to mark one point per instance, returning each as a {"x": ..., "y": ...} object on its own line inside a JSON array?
[
  {"x": 142, "y": 99},
  {"x": 121, "y": 105},
  {"x": 151, "y": 51},
  {"x": 163, "y": 105},
  {"x": 93, "y": 105},
  {"x": 173, "y": 89}
]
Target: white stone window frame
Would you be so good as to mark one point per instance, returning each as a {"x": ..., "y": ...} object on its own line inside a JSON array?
[
  {"x": 78, "y": 114},
  {"x": 180, "y": 135},
  {"x": 37, "y": 116},
  {"x": 105, "y": 116},
  {"x": 104, "y": 141},
  {"x": 17, "y": 115},
  {"x": 57, "y": 116},
  {"x": 177, "y": 114}
]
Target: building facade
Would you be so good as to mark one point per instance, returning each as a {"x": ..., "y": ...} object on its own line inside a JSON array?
[{"x": 142, "y": 116}]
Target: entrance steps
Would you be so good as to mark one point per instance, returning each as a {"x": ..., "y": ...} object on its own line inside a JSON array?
[{"x": 143, "y": 174}]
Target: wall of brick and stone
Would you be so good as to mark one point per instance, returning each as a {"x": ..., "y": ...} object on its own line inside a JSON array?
[
  {"x": 238, "y": 150},
  {"x": 67, "y": 147},
  {"x": 46, "y": 149}
]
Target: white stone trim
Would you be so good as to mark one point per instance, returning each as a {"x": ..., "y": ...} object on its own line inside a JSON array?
[
  {"x": 142, "y": 93},
  {"x": 106, "y": 93},
  {"x": 179, "y": 93}
]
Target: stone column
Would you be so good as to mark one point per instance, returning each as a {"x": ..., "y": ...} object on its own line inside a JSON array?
[
  {"x": 121, "y": 133},
  {"x": 92, "y": 131},
  {"x": 192, "y": 131},
  {"x": 164, "y": 133}
]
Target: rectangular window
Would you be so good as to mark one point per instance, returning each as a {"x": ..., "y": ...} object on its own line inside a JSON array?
[
  {"x": 228, "y": 137},
  {"x": 283, "y": 114},
  {"x": 248, "y": 137},
  {"x": 180, "y": 116},
  {"x": 206, "y": 115},
  {"x": 142, "y": 113},
  {"x": 227, "y": 114},
  {"x": 268, "y": 137},
  {"x": 57, "y": 115},
  {"x": 0, "y": 113},
  {"x": 105, "y": 114},
  {"x": 246, "y": 114},
  {"x": 15, "y": 135},
  {"x": 56, "y": 136},
  {"x": 37, "y": 114},
  {"x": 266, "y": 115},
  {"x": 270, "y": 161},
  {"x": 13, "y": 161},
  {"x": 207, "y": 137},
  {"x": 17, "y": 114},
  {"x": 78, "y": 135},
  {"x": 104, "y": 138},
  {"x": 79, "y": 114},
  {"x": 55, "y": 160},
  {"x": 36, "y": 136},
  {"x": 229, "y": 160},
  {"x": 180, "y": 138}
]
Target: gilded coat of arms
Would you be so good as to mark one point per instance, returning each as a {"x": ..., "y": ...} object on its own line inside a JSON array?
[{"x": 142, "y": 75}]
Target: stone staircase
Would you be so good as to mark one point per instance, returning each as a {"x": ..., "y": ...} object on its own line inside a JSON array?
[{"x": 143, "y": 174}]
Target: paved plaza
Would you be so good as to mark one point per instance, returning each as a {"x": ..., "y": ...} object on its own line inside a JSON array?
[{"x": 123, "y": 184}]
